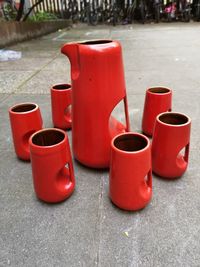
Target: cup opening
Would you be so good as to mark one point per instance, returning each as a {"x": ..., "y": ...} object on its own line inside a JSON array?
[
  {"x": 173, "y": 118},
  {"x": 61, "y": 86},
  {"x": 159, "y": 90},
  {"x": 95, "y": 42},
  {"x": 130, "y": 142},
  {"x": 23, "y": 108},
  {"x": 48, "y": 138}
]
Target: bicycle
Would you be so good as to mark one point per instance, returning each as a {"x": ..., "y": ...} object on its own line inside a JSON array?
[
  {"x": 184, "y": 9},
  {"x": 114, "y": 13},
  {"x": 73, "y": 10},
  {"x": 157, "y": 6},
  {"x": 196, "y": 13},
  {"x": 130, "y": 12}
]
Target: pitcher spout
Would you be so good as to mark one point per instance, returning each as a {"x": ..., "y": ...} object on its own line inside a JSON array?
[{"x": 71, "y": 50}]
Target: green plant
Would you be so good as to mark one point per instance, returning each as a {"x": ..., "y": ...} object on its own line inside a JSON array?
[{"x": 43, "y": 16}]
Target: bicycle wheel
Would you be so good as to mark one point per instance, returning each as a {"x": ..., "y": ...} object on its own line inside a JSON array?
[
  {"x": 187, "y": 16},
  {"x": 197, "y": 11},
  {"x": 93, "y": 18},
  {"x": 157, "y": 13},
  {"x": 130, "y": 14},
  {"x": 142, "y": 11}
]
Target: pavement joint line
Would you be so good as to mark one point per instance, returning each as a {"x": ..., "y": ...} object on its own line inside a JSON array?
[
  {"x": 35, "y": 73},
  {"x": 59, "y": 36},
  {"x": 5, "y": 98},
  {"x": 100, "y": 218}
]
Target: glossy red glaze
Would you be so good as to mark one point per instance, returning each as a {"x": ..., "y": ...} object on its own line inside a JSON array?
[
  {"x": 130, "y": 171},
  {"x": 61, "y": 106},
  {"x": 157, "y": 100},
  {"x": 50, "y": 153},
  {"x": 98, "y": 86},
  {"x": 25, "y": 119},
  {"x": 170, "y": 145}
]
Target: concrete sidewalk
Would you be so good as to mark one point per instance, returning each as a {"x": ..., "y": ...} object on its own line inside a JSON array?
[{"x": 87, "y": 230}]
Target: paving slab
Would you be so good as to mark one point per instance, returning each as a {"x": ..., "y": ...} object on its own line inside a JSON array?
[
  {"x": 87, "y": 229},
  {"x": 43, "y": 81},
  {"x": 3, "y": 97},
  {"x": 38, "y": 234},
  {"x": 25, "y": 63},
  {"x": 11, "y": 80}
]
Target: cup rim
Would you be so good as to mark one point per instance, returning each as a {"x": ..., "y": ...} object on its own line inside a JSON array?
[
  {"x": 168, "y": 90},
  {"x": 23, "y": 104},
  {"x": 69, "y": 87},
  {"x": 45, "y": 130},
  {"x": 173, "y": 113},
  {"x": 130, "y": 152}
]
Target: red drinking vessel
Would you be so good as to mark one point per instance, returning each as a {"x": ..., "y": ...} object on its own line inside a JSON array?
[
  {"x": 61, "y": 106},
  {"x": 130, "y": 171},
  {"x": 157, "y": 100},
  {"x": 170, "y": 144},
  {"x": 25, "y": 119},
  {"x": 52, "y": 168},
  {"x": 98, "y": 84}
]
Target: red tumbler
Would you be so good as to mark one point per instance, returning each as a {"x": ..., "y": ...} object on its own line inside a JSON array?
[
  {"x": 25, "y": 119},
  {"x": 98, "y": 86},
  {"x": 170, "y": 145},
  {"x": 130, "y": 171},
  {"x": 61, "y": 106},
  {"x": 157, "y": 100},
  {"x": 52, "y": 167}
]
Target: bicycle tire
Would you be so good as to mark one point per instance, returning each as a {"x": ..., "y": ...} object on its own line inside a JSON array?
[
  {"x": 130, "y": 14},
  {"x": 197, "y": 13},
  {"x": 157, "y": 13},
  {"x": 93, "y": 18},
  {"x": 169, "y": 18},
  {"x": 115, "y": 16},
  {"x": 187, "y": 16},
  {"x": 142, "y": 12}
]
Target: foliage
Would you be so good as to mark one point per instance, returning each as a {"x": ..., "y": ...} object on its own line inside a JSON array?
[
  {"x": 9, "y": 11},
  {"x": 43, "y": 16}
]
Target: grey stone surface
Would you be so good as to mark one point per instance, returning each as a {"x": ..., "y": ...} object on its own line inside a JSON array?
[
  {"x": 87, "y": 229},
  {"x": 43, "y": 81},
  {"x": 11, "y": 80},
  {"x": 38, "y": 234},
  {"x": 3, "y": 97}
]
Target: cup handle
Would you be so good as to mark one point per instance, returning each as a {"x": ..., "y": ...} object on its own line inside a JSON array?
[
  {"x": 126, "y": 114},
  {"x": 25, "y": 139},
  {"x": 182, "y": 157},
  {"x": 186, "y": 156},
  {"x": 149, "y": 179},
  {"x": 68, "y": 114},
  {"x": 65, "y": 178}
]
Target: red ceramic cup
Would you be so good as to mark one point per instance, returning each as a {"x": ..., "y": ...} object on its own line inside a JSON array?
[
  {"x": 25, "y": 119},
  {"x": 157, "y": 100},
  {"x": 52, "y": 168},
  {"x": 130, "y": 171},
  {"x": 61, "y": 106},
  {"x": 170, "y": 145}
]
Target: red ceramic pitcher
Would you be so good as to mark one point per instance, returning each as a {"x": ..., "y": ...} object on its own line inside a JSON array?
[
  {"x": 98, "y": 86},
  {"x": 52, "y": 167},
  {"x": 157, "y": 100},
  {"x": 61, "y": 106},
  {"x": 130, "y": 171},
  {"x": 170, "y": 145},
  {"x": 25, "y": 119}
]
